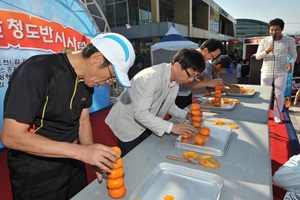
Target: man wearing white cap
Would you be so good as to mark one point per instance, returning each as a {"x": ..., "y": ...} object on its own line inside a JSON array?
[
  {"x": 140, "y": 110},
  {"x": 46, "y": 118}
]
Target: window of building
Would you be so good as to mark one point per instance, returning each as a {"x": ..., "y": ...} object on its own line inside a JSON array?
[
  {"x": 166, "y": 10},
  {"x": 115, "y": 12}
]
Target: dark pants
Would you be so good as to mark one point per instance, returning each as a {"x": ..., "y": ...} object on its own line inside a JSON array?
[
  {"x": 128, "y": 146},
  {"x": 183, "y": 101},
  {"x": 35, "y": 177}
]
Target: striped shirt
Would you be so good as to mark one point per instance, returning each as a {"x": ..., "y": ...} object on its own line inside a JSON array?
[{"x": 274, "y": 62}]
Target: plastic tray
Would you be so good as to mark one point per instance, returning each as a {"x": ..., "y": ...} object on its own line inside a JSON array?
[
  {"x": 217, "y": 142},
  {"x": 180, "y": 182}
]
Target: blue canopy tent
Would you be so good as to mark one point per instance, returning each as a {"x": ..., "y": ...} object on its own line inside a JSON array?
[{"x": 167, "y": 46}]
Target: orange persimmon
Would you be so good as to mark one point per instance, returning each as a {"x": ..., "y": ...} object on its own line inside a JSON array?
[
  {"x": 196, "y": 112},
  {"x": 217, "y": 103},
  {"x": 115, "y": 183},
  {"x": 218, "y": 95},
  {"x": 118, "y": 164},
  {"x": 117, "y": 193},
  {"x": 234, "y": 126},
  {"x": 217, "y": 88},
  {"x": 196, "y": 118},
  {"x": 190, "y": 156},
  {"x": 208, "y": 161},
  {"x": 168, "y": 197},
  {"x": 117, "y": 149},
  {"x": 204, "y": 131},
  {"x": 196, "y": 124},
  {"x": 217, "y": 100},
  {"x": 115, "y": 173},
  {"x": 207, "y": 93},
  {"x": 195, "y": 106},
  {"x": 186, "y": 135},
  {"x": 199, "y": 139}
]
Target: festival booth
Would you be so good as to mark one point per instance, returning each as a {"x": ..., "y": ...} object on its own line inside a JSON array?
[
  {"x": 167, "y": 46},
  {"x": 33, "y": 27}
]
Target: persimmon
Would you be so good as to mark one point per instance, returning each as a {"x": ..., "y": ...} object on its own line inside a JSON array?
[
  {"x": 168, "y": 197},
  {"x": 217, "y": 100},
  {"x": 115, "y": 173},
  {"x": 208, "y": 161},
  {"x": 218, "y": 91},
  {"x": 186, "y": 135},
  {"x": 117, "y": 149},
  {"x": 218, "y": 95},
  {"x": 195, "y": 106},
  {"x": 225, "y": 100},
  {"x": 207, "y": 93},
  {"x": 115, "y": 183},
  {"x": 212, "y": 100},
  {"x": 199, "y": 139},
  {"x": 190, "y": 156},
  {"x": 117, "y": 193},
  {"x": 204, "y": 131},
  {"x": 217, "y": 103},
  {"x": 196, "y": 118},
  {"x": 196, "y": 112},
  {"x": 196, "y": 124},
  {"x": 234, "y": 126},
  {"x": 118, "y": 164}
]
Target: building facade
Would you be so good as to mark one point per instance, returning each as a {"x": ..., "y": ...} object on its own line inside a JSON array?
[
  {"x": 246, "y": 28},
  {"x": 144, "y": 22}
]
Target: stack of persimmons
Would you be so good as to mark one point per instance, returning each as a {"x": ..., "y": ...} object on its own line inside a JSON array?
[
  {"x": 115, "y": 179},
  {"x": 196, "y": 115},
  {"x": 197, "y": 122},
  {"x": 218, "y": 95}
]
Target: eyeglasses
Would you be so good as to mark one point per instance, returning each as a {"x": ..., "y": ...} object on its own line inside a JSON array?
[
  {"x": 112, "y": 78},
  {"x": 191, "y": 77},
  {"x": 212, "y": 55}
]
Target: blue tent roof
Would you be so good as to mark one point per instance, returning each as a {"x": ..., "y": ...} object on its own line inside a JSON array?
[{"x": 173, "y": 41}]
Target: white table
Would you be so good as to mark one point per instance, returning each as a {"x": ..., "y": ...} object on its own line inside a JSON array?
[
  {"x": 253, "y": 109},
  {"x": 246, "y": 168}
]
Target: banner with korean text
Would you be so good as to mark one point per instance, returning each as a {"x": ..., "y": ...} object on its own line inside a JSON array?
[{"x": 30, "y": 27}]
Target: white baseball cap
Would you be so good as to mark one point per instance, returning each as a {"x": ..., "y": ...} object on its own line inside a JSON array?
[{"x": 119, "y": 52}]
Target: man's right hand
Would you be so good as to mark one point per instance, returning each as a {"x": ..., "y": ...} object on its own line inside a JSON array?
[
  {"x": 182, "y": 128},
  {"x": 100, "y": 157},
  {"x": 215, "y": 82}
]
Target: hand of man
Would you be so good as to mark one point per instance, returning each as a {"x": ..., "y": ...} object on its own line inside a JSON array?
[
  {"x": 215, "y": 82},
  {"x": 288, "y": 68},
  {"x": 269, "y": 49},
  {"x": 189, "y": 116},
  {"x": 183, "y": 128},
  {"x": 99, "y": 156}
]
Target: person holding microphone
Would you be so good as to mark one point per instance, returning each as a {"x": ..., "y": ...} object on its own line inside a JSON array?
[{"x": 274, "y": 50}]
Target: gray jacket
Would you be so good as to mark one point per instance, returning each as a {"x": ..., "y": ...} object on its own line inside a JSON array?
[{"x": 145, "y": 104}]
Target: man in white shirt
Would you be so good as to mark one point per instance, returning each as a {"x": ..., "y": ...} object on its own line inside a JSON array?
[{"x": 274, "y": 50}]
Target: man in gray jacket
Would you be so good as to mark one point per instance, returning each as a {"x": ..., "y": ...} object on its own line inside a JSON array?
[{"x": 140, "y": 110}]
